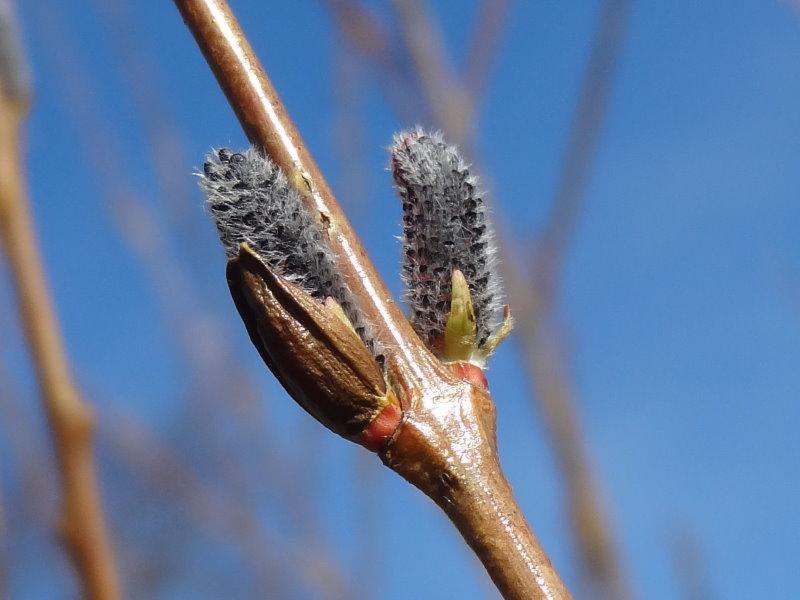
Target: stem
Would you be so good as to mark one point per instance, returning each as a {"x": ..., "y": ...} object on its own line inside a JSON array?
[
  {"x": 445, "y": 444},
  {"x": 70, "y": 418}
]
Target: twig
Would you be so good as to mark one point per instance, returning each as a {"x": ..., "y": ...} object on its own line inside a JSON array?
[
  {"x": 71, "y": 420},
  {"x": 445, "y": 443}
]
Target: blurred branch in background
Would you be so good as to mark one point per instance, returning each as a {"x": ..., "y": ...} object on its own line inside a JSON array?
[
  {"x": 445, "y": 97},
  {"x": 273, "y": 560},
  {"x": 167, "y": 155},
  {"x": 584, "y": 138},
  {"x": 31, "y": 496},
  {"x": 367, "y": 35},
  {"x": 71, "y": 419},
  {"x": 542, "y": 339},
  {"x": 691, "y": 568},
  {"x": 34, "y": 471},
  {"x": 451, "y": 105},
  {"x": 204, "y": 344},
  {"x": 490, "y": 25}
]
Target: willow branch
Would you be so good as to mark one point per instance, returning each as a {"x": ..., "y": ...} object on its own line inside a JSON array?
[
  {"x": 222, "y": 514},
  {"x": 70, "y": 418},
  {"x": 444, "y": 443}
]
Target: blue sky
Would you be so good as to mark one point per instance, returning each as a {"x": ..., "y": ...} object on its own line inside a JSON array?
[{"x": 681, "y": 296}]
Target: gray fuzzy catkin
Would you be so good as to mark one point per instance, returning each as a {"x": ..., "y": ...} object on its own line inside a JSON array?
[
  {"x": 445, "y": 227},
  {"x": 251, "y": 201}
]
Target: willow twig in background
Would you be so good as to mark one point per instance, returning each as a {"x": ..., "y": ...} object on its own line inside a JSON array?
[
  {"x": 542, "y": 340},
  {"x": 221, "y": 514},
  {"x": 444, "y": 443},
  {"x": 71, "y": 419}
]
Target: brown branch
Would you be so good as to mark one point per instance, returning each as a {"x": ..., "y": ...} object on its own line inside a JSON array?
[
  {"x": 71, "y": 421},
  {"x": 445, "y": 444}
]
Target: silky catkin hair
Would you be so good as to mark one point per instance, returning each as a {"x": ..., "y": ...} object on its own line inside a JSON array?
[
  {"x": 251, "y": 201},
  {"x": 445, "y": 227}
]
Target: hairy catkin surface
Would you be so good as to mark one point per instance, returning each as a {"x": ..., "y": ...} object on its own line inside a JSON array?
[
  {"x": 251, "y": 201},
  {"x": 445, "y": 227}
]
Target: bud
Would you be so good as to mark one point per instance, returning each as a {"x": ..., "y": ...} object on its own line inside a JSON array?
[
  {"x": 449, "y": 257},
  {"x": 252, "y": 202},
  {"x": 312, "y": 349}
]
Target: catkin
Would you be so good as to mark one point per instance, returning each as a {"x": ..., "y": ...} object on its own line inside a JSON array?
[
  {"x": 445, "y": 227},
  {"x": 251, "y": 201}
]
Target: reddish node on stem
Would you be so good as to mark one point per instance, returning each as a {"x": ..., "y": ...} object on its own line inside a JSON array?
[
  {"x": 470, "y": 372},
  {"x": 382, "y": 427}
]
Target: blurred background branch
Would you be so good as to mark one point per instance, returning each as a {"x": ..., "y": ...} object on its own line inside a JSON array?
[{"x": 71, "y": 419}]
